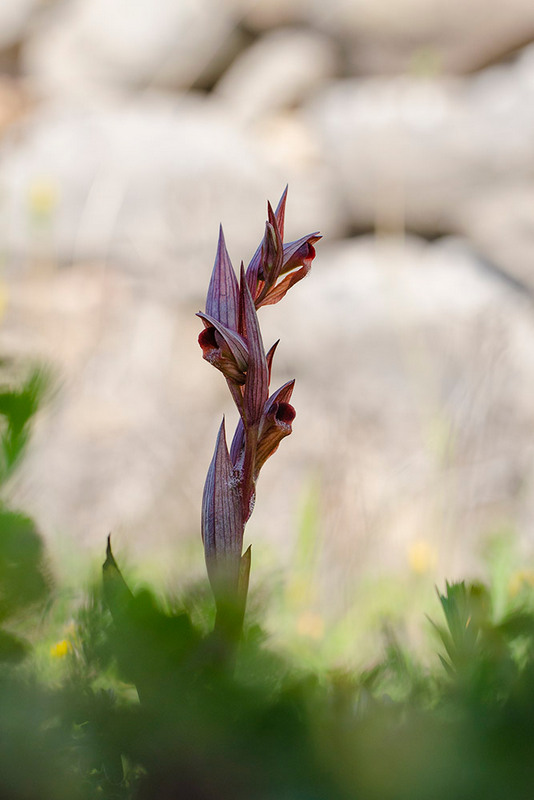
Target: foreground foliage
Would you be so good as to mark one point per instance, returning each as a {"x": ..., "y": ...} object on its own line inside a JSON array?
[{"x": 137, "y": 705}]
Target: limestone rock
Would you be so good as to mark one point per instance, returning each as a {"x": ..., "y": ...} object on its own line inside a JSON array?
[
  {"x": 15, "y": 16},
  {"x": 414, "y": 371},
  {"x": 276, "y": 73},
  {"x": 405, "y": 36},
  {"x": 411, "y": 152},
  {"x": 146, "y": 185},
  {"x": 103, "y": 43},
  {"x": 501, "y": 227},
  {"x": 428, "y": 36},
  {"x": 264, "y": 15},
  {"x": 143, "y": 184}
]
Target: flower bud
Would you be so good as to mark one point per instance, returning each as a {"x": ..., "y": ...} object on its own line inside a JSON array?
[
  {"x": 216, "y": 352},
  {"x": 222, "y": 520},
  {"x": 224, "y": 348},
  {"x": 275, "y": 426}
]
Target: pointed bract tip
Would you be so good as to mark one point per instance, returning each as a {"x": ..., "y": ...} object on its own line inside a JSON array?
[
  {"x": 270, "y": 213},
  {"x": 221, "y": 435},
  {"x": 110, "y": 559}
]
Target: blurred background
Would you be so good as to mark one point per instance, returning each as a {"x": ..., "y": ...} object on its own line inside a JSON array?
[{"x": 405, "y": 128}]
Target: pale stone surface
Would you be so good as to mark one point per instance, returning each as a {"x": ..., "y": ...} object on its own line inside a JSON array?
[
  {"x": 398, "y": 36},
  {"x": 414, "y": 375},
  {"x": 15, "y": 16},
  {"x": 410, "y": 152},
  {"x": 277, "y": 72},
  {"x": 146, "y": 184},
  {"x": 263, "y": 15},
  {"x": 83, "y": 45},
  {"x": 425, "y": 35},
  {"x": 501, "y": 226},
  {"x": 14, "y": 103}
]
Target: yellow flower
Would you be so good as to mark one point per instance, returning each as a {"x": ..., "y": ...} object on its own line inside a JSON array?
[
  {"x": 422, "y": 557},
  {"x": 60, "y": 649}
]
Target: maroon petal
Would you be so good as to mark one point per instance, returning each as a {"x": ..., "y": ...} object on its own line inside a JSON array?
[
  {"x": 237, "y": 449},
  {"x": 236, "y": 390},
  {"x": 235, "y": 343},
  {"x": 270, "y": 356},
  {"x": 223, "y": 292},
  {"x": 272, "y": 252},
  {"x": 300, "y": 252},
  {"x": 216, "y": 352},
  {"x": 272, "y": 257},
  {"x": 296, "y": 254},
  {"x": 257, "y": 380},
  {"x": 253, "y": 272},
  {"x": 282, "y": 395},
  {"x": 280, "y": 212},
  {"x": 275, "y": 425},
  {"x": 255, "y": 392},
  {"x": 222, "y": 519},
  {"x": 281, "y": 289},
  {"x": 256, "y": 271}
]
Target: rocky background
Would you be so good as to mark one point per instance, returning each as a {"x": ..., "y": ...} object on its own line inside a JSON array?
[{"x": 405, "y": 129}]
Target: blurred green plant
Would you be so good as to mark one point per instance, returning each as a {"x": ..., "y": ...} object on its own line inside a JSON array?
[
  {"x": 24, "y": 578},
  {"x": 18, "y": 407}
]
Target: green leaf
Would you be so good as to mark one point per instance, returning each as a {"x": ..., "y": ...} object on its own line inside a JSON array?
[
  {"x": 116, "y": 592},
  {"x": 19, "y": 406},
  {"x": 24, "y": 578},
  {"x": 12, "y": 649}
]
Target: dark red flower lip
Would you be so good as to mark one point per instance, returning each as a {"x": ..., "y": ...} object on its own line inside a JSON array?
[
  {"x": 285, "y": 414},
  {"x": 207, "y": 339},
  {"x": 227, "y": 354}
]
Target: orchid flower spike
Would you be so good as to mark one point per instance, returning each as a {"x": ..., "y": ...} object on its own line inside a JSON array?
[{"x": 231, "y": 341}]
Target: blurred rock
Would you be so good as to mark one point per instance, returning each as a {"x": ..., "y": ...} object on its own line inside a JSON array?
[
  {"x": 14, "y": 103},
  {"x": 399, "y": 36},
  {"x": 145, "y": 184},
  {"x": 114, "y": 43},
  {"x": 501, "y": 226},
  {"x": 15, "y": 16},
  {"x": 414, "y": 371},
  {"x": 111, "y": 433},
  {"x": 412, "y": 152},
  {"x": 261, "y": 91},
  {"x": 429, "y": 36},
  {"x": 276, "y": 73},
  {"x": 262, "y": 15}
]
